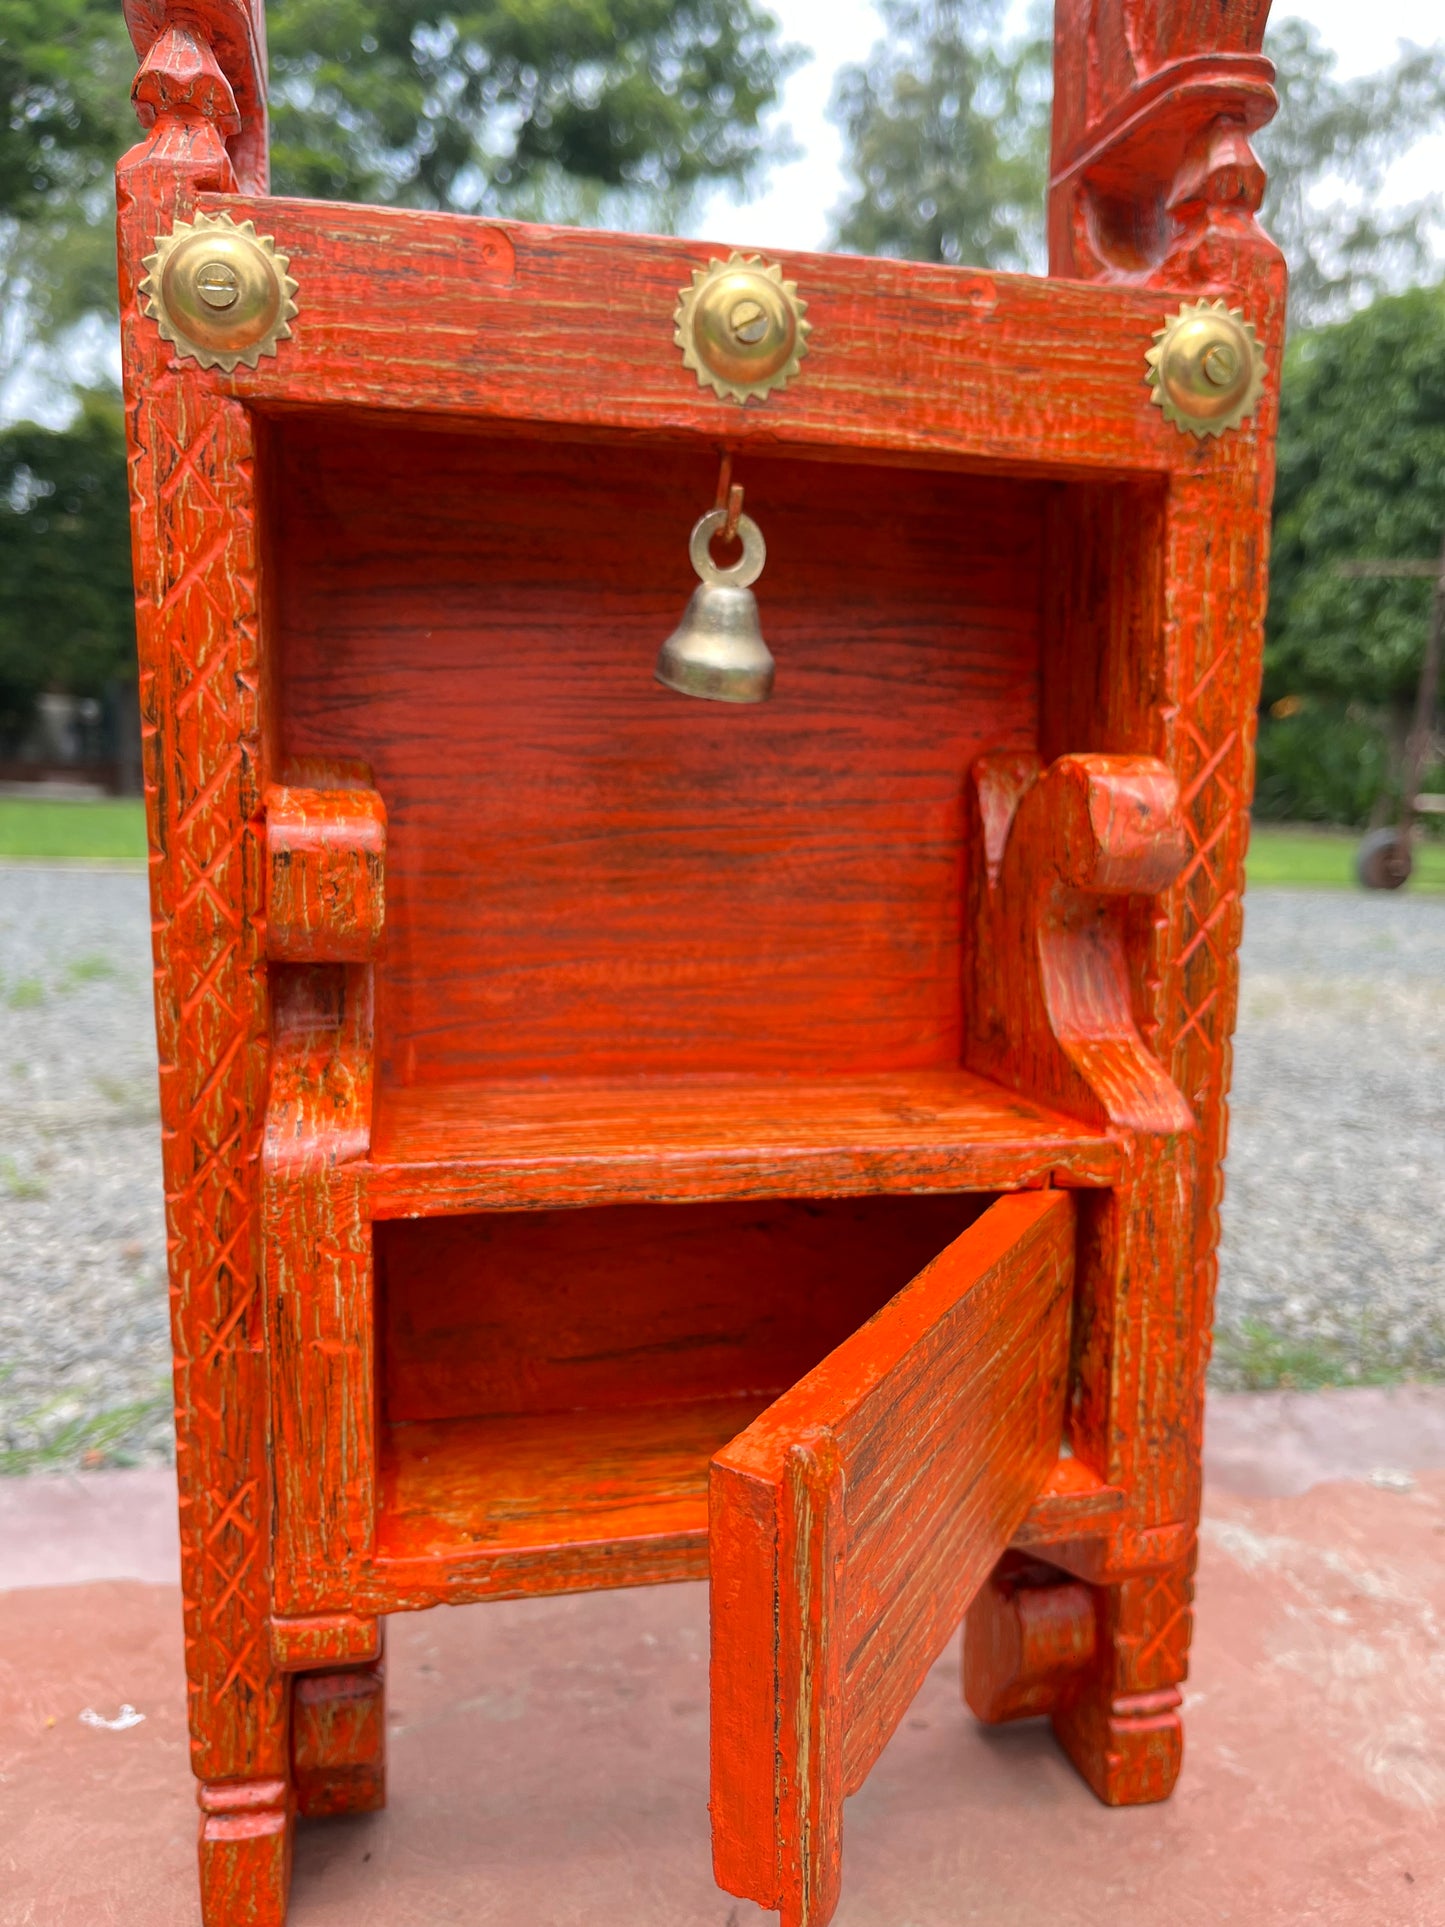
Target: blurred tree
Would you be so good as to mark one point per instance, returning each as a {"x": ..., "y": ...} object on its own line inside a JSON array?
[
  {"x": 947, "y": 132},
  {"x": 65, "y": 584},
  {"x": 1327, "y": 154},
  {"x": 615, "y": 106},
  {"x": 1361, "y": 475},
  {"x": 612, "y": 109}
]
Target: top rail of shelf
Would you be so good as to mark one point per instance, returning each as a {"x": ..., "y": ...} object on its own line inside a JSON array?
[{"x": 470, "y": 321}]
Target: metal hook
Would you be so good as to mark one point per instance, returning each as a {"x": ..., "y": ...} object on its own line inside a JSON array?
[{"x": 729, "y": 498}]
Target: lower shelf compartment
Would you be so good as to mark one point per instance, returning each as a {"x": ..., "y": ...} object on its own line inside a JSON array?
[{"x": 476, "y": 1508}]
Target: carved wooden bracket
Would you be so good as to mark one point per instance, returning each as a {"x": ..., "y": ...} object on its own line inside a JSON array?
[
  {"x": 1152, "y": 175},
  {"x": 206, "y": 59},
  {"x": 338, "y": 1740},
  {"x": 1062, "y": 852},
  {"x": 325, "y": 874},
  {"x": 1030, "y": 1635}
]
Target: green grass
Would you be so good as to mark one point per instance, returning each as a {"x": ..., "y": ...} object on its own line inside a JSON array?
[
  {"x": 40, "y": 826},
  {"x": 115, "y": 827},
  {"x": 96, "y": 1441},
  {"x": 1324, "y": 859},
  {"x": 1255, "y": 1359}
]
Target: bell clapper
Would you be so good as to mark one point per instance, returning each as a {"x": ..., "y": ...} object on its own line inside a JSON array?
[{"x": 717, "y": 651}]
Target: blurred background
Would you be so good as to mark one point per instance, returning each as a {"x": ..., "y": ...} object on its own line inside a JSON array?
[{"x": 916, "y": 130}]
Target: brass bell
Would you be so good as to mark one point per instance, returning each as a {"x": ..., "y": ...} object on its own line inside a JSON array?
[{"x": 717, "y": 650}]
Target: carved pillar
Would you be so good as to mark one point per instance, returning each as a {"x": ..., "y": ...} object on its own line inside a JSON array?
[
  {"x": 1154, "y": 184},
  {"x": 199, "y": 615}
]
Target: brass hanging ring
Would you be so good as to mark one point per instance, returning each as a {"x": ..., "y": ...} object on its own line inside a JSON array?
[{"x": 742, "y": 573}]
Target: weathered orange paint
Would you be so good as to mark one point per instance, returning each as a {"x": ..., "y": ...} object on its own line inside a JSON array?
[{"x": 462, "y": 923}]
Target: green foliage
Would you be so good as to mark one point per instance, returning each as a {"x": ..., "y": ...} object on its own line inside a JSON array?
[
  {"x": 63, "y": 117},
  {"x": 1320, "y": 764},
  {"x": 66, "y": 617},
  {"x": 1343, "y": 249},
  {"x": 1361, "y": 475},
  {"x": 518, "y": 102},
  {"x": 558, "y": 109},
  {"x": 948, "y": 138},
  {"x": 947, "y": 131}
]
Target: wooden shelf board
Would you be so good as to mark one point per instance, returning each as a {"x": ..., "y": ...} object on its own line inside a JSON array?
[
  {"x": 498, "y": 1147},
  {"x": 551, "y": 1502}
]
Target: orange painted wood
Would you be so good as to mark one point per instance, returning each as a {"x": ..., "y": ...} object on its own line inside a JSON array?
[
  {"x": 1030, "y": 1636},
  {"x": 571, "y": 1311},
  {"x": 338, "y": 1741},
  {"x": 325, "y": 874},
  {"x": 1073, "y": 1503},
  {"x": 445, "y": 315},
  {"x": 587, "y": 876},
  {"x": 853, "y": 1522},
  {"x": 441, "y": 1148},
  {"x": 956, "y": 913}
]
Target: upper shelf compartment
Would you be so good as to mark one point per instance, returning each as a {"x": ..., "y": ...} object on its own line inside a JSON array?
[
  {"x": 449, "y": 315},
  {"x": 497, "y": 1147}
]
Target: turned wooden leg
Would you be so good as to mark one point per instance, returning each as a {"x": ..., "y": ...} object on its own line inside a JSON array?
[
  {"x": 1121, "y": 1727},
  {"x": 1028, "y": 1637},
  {"x": 246, "y": 1828},
  {"x": 338, "y": 1740}
]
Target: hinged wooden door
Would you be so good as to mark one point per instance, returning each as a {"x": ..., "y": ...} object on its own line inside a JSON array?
[{"x": 851, "y": 1525}]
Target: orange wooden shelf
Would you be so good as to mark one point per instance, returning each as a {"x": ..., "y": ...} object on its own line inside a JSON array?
[
  {"x": 494, "y": 1147},
  {"x": 479, "y": 1507}
]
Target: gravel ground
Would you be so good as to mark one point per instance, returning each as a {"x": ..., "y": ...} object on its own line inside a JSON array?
[{"x": 1333, "y": 1266}]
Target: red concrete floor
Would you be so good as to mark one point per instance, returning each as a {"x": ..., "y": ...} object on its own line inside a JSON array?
[{"x": 548, "y": 1759}]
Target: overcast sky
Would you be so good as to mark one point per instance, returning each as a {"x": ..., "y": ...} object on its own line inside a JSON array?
[{"x": 792, "y": 210}]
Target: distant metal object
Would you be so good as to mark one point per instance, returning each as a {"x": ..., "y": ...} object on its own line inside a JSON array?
[{"x": 1385, "y": 858}]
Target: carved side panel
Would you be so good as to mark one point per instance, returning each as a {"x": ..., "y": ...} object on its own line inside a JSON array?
[
  {"x": 192, "y": 468},
  {"x": 1155, "y": 184}
]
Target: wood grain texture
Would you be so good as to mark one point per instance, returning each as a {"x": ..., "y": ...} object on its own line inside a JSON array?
[
  {"x": 572, "y": 1311},
  {"x": 453, "y": 317},
  {"x": 325, "y": 874},
  {"x": 1175, "y": 674},
  {"x": 199, "y": 632},
  {"x": 590, "y": 875},
  {"x": 338, "y": 1740},
  {"x": 1029, "y": 1637},
  {"x": 854, "y": 1521},
  {"x": 440, "y": 1148}
]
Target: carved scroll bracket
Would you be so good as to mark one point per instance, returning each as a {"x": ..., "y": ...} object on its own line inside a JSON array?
[
  {"x": 1063, "y": 853},
  {"x": 205, "y": 61},
  {"x": 1153, "y": 179}
]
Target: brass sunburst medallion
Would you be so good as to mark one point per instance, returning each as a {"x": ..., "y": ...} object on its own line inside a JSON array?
[
  {"x": 741, "y": 327},
  {"x": 1206, "y": 368},
  {"x": 219, "y": 292}
]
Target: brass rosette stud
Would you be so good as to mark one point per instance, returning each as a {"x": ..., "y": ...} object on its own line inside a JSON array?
[
  {"x": 741, "y": 327},
  {"x": 1206, "y": 368},
  {"x": 219, "y": 291}
]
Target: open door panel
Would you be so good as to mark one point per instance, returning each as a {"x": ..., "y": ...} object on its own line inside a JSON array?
[{"x": 851, "y": 1525}]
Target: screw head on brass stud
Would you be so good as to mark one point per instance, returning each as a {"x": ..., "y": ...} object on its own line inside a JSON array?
[
  {"x": 219, "y": 292},
  {"x": 1206, "y": 368},
  {"x": 741, "y": 327}
]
